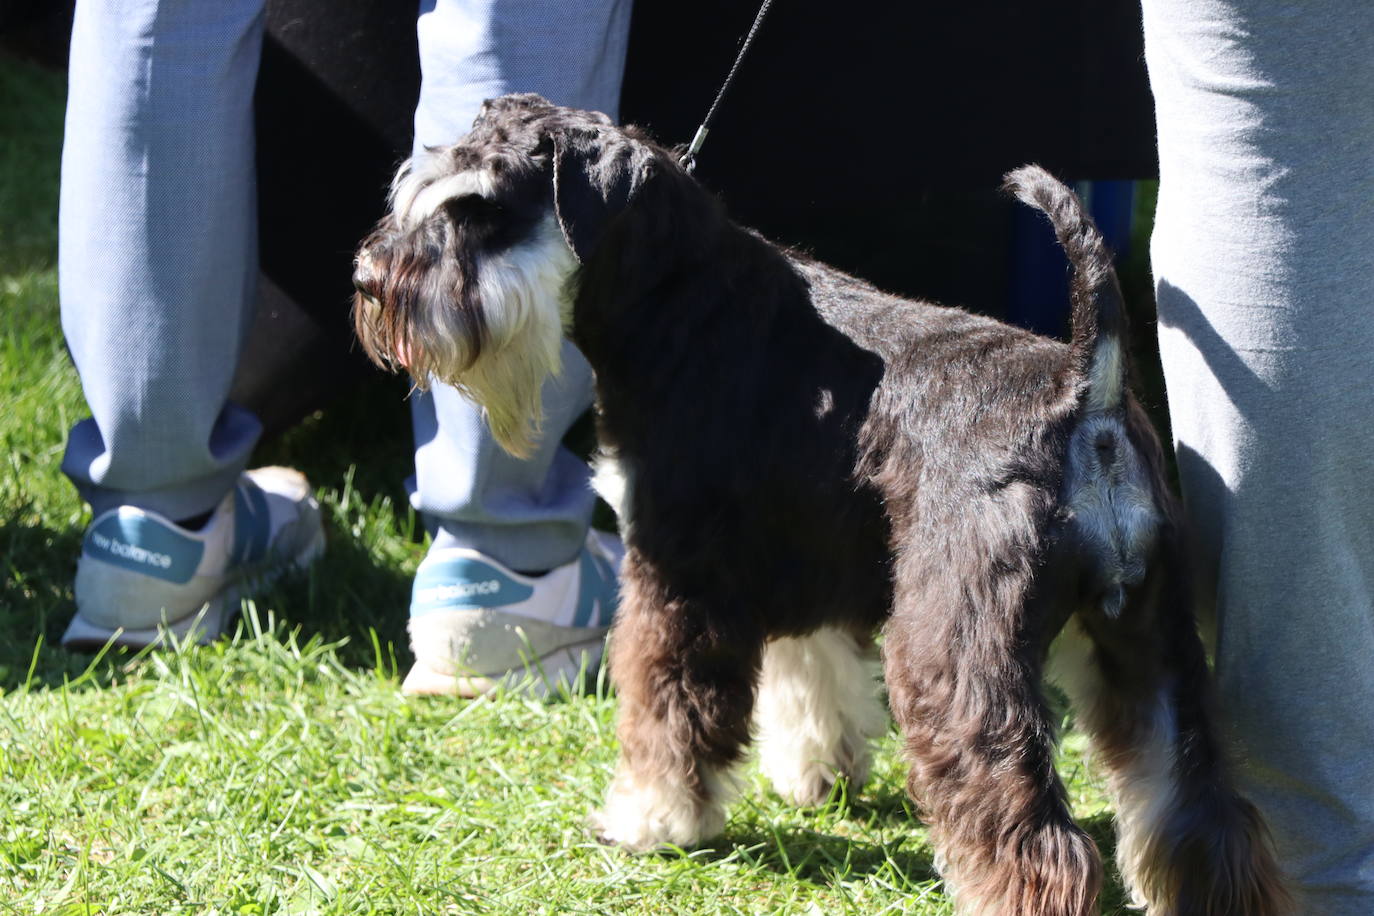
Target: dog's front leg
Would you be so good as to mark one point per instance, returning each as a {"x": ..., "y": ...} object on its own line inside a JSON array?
[
  {"x": 963, "y": 684},
  {"x": 684, "y": 675},
  {"x": 818, "y": 709}
]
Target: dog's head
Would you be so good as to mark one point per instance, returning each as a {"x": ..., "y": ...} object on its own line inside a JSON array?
[{"x": 468, "y": 279}]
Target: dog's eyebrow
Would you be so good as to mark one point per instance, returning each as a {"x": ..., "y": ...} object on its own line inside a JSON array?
[{"x": 416, "y": 204}]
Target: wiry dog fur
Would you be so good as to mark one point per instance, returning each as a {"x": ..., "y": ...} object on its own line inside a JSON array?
[{"x": 808, "y": 459}]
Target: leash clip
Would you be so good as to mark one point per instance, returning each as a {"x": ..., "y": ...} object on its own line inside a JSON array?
[{"x": 689, "y": 158}]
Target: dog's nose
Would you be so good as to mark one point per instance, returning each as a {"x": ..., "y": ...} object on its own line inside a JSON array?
[{"x": 364, "y": 279}]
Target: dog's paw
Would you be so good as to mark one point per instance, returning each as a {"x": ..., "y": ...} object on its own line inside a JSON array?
[
  {"x": 643, "y": 817},
  {"x": 804, "y": 784},
  {"x": 808, "y": 782}
]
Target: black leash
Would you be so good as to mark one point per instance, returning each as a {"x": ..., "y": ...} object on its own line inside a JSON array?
[{"x": 689, "y": 158}]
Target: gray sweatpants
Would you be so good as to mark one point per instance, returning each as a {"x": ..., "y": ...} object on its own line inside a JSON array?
[{"x": 1264, "y": 265}]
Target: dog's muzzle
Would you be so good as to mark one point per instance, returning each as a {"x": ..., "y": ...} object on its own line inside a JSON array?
[{"x": 379, "y": 344}]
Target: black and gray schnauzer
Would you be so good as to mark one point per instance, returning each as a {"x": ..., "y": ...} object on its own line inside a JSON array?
[{"x": 806, "y": 459}]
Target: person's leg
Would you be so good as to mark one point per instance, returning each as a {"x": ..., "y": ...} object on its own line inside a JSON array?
[
  {"x": 529, "y": 515},
  {"x": 1262, "y": 258},
  {"x": 157, "y": 264},
  {"x": 158, "y": 247}
]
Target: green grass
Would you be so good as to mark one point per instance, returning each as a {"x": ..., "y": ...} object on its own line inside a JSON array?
[{"x": 281, "y": 771}]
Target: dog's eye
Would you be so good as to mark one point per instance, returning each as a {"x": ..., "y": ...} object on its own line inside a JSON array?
[{"x": 466, "y": 208}]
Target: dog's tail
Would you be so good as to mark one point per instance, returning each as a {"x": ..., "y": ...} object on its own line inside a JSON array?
[{"x": 1099, "y": 314}]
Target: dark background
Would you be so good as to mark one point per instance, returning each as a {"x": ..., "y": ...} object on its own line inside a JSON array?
[{"x": 872, "y": 134}]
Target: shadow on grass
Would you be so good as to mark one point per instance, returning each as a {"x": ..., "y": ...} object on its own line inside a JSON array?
[
  {"x": 886, "y": 802},
  {"x": 824, "y": 859},
  {"x": 37, "y": 564}
]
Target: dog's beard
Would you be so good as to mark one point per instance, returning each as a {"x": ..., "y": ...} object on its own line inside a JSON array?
[{"x": 525, "y": 308}]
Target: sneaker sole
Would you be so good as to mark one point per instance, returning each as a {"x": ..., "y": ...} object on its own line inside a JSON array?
[
  {"x": 203, "y": 626},
  {"x": 562, "y": 666}
]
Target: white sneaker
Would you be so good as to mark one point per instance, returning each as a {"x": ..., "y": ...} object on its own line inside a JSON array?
[
  {"x": 474, "y": 624},
  {"x": 141, "y": 576}
]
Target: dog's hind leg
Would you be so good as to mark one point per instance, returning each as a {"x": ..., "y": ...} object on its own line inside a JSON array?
[
  {"x": 963, "y": 679},
  {"x": 1133, "y": 665},
  {"x": 685, "y": 683},
  {"x": 1187, "y": 841},
  {"x": 818, "y": 708}
]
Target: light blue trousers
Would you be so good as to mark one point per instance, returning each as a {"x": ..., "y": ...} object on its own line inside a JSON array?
[
  {"x": 1263, "y": 254},
  {"x": 158, "y": 256}
]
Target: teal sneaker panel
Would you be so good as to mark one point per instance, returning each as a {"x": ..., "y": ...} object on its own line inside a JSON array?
[
  {"x": 252, "y": 526},
  {"x": 598, "y": 592},
  {"x": 463, "y": 583},
  {"x": 144, "y": 545}
]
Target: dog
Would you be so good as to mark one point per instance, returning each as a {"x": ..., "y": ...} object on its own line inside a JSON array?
[{"x": 806, "y": 461}]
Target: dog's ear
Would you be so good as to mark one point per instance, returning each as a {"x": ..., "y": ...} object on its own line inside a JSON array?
[{"x": 596, "y": 175}]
